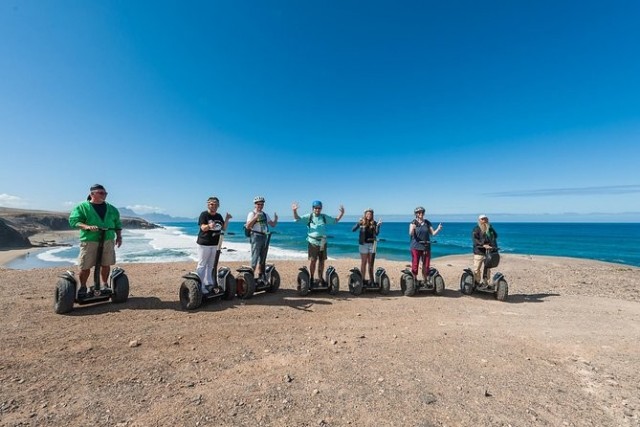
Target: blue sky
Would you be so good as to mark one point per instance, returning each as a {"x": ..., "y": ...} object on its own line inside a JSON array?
[{"x": 460, "y": 106}]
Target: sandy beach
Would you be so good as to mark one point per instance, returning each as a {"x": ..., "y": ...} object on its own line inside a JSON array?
[{"x": 562, "y": 351}]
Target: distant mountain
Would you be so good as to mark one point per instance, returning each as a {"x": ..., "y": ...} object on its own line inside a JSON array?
[{"x": 154, "y": 217}]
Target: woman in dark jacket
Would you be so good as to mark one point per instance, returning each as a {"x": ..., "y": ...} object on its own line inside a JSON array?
[
  {"x": 369, "y": 229},
  {"x": 485, "y": 238}
]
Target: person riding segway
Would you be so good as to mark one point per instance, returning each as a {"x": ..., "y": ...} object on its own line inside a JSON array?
[
  {"x": 317, "y": 248},
  {"x": 420, "y": 232},
  {"x": 208, "y": 282},
  {"x": 264, "y": 276},
  {"x": 100, "y": 232},
  {"x": 368, "y": 242},
  {"x": 485, "y": 257}
]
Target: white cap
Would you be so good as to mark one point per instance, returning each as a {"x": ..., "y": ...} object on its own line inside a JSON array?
[{"x": 483, "y": 216}]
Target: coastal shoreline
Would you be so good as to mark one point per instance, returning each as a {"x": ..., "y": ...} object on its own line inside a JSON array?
[{"x": 40, "y": 242}]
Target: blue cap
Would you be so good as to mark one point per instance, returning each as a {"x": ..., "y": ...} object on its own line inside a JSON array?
[{"x": 316, "y": 204}]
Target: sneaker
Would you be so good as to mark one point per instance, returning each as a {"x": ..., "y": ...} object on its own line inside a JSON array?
[{"x": 82, "y": 292}]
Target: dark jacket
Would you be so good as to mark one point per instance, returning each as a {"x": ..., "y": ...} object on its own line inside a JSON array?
[
  {"x": 367, "y": 234},
  {"x": 480, "y": 239}
]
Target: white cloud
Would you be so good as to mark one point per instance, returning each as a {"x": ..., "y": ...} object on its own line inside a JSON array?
[
  {"x": 9, "y": 201},
  {"x": 144, "y": 209}
]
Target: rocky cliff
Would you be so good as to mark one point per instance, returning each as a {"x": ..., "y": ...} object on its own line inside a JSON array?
[{"x": 17, "y": 225}]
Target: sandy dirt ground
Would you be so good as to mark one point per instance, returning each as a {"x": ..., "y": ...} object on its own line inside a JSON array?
[{"x": 562, "y": 351}]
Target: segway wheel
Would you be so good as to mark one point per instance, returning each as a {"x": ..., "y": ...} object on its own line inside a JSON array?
[
  {"x": 334, "y": 284},
  {"x": 274, "y": 283},
  {"x": 190, "y": 294},
  {"x": 304, "y": 284},
  {"x": 403, "y": 283},
  {"x": 246, "y": 285},
  {"x": 229, "y": 287},
  {"x": 466, "y": 283},
  {"x": 385, "y": 284},
  {"x": 120, "y": 289},
  {"x": 410, "y": 286},
  {"x": 64, "y": 297},
  {"x": 355, "y": 284},
  {"x": 502, "y": 291},
  {"x": 438, "y": 287}
]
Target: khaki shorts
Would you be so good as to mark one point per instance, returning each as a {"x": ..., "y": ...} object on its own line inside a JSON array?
[
  {"x": 316, "y": 252},
  {"x": 89, "y": 253}
]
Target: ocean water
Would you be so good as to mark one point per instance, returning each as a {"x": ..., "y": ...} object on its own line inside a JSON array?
[{"x": 614, "y": 242}]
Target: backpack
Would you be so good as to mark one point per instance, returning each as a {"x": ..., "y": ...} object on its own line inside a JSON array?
[
  {"x": 324, "y": 220},
  {"x": 247, "y": 231}
]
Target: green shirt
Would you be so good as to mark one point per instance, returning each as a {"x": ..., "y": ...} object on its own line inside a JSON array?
[
  {"x": 317, "y": 227},
  {"x": 85, "y": 213}
]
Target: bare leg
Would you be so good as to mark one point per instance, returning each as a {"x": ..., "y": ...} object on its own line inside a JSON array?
[
  {"x": 320, "y": 267},
  {"x": 363, "y": 264},
  {"x": 104, "y": 273},
  {"x": 84, "y": 276},
  {"x": 312, "y": 267}
]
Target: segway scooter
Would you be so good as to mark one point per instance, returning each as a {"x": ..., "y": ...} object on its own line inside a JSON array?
[
  {"x": 410, "y": 284},
  {"x": 247, "y": 285},
  {"x": 381, "y": 281},
  {"x": 191, "y": 296},
  {"x": 117, "y": 290},
  {"x": 498, "y": 284},
  {"x": 330, "y": 283}
]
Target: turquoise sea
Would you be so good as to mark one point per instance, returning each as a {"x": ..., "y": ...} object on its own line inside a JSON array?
[{"x": 612, "y": 242}]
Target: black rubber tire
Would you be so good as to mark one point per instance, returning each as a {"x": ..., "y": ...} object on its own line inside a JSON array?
[
  {"x": 190, "y": 294},
  {"x": 274, "y": 283},
  {"x": 355, "y": 284},
  {"x": 403, "y": 283},
  {"x": 502, "y": 290},
  {"x": 64, "y": 297},
  {"x": 438, "y": 284},
  {"x": 385, "y": 284},
  {"x": 120, "y": 289},
  {"x": 466, "y": 283},
  {"x": 334, "y": 284},
  {"x": 248, "y": 285},
  {"x": 410, "y": 286},
  {"x": 304, "y": 285},
  {"x": 229, "y": 287}
]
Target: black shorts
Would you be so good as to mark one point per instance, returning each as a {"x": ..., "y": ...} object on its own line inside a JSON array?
[{"x": 315, "y": 252}]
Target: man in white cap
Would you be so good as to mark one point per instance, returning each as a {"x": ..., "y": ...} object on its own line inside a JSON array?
[{"x": 258, "y": 223}]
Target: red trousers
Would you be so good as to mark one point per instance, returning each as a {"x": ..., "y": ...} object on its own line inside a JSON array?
[{"x": 416, "y": 257}]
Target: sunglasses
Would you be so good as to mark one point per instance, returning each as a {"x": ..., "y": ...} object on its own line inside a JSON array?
[{"x": 104, "y": 193}]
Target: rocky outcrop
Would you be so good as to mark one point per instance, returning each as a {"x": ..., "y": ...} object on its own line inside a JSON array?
[
  {"x": 16, "y": 225},
  {"x": 10, "y": 238}
]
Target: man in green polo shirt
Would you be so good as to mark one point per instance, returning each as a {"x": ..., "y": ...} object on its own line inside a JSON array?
[{"x": 90, "y": 216}]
